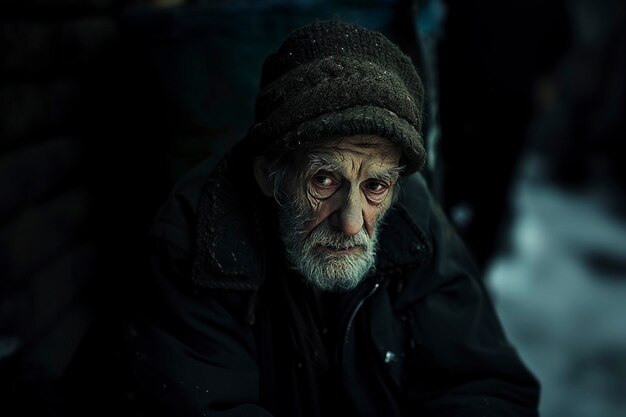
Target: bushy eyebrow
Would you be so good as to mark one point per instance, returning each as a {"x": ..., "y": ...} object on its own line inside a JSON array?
[
  {"x": 388, "y": 175},
  {"x": 318, "y": 162}
]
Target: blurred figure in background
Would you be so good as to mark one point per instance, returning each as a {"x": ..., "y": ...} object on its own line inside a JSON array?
[{"x": 561, "y": 287}]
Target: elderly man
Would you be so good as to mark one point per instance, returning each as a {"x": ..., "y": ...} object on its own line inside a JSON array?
[{"x": 310, "y": 273}]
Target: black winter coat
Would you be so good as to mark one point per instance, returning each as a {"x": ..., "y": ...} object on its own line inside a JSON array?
[{"x": 228, "y": 330}]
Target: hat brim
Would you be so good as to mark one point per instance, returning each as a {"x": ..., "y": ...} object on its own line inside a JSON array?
[{"x": 359, "y": 120}]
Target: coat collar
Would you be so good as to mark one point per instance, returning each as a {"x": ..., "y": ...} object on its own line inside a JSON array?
[
  {"x": 228, "y": 254},
  {"x": 402, "y": 244}
]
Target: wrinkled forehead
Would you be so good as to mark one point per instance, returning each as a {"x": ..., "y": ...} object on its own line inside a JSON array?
[{"x": 365, "y": 150}]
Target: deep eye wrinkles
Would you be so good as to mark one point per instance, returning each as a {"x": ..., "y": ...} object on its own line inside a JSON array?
[
  {"x": 325, "y": 175},
  {"x": 376, "y": 190},
  {"x": 324, "y": 184}
]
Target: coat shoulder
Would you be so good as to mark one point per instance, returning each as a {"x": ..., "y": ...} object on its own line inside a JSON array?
[{"x": 206, "y": 225}]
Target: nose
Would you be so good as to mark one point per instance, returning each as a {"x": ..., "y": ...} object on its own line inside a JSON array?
[{"x": 348, "y": 218}]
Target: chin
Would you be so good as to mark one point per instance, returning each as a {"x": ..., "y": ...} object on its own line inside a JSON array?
[{"x": 336, "y": 272}]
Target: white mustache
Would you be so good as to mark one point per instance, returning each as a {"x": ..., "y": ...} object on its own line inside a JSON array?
[{"x": 324, "y": 236}]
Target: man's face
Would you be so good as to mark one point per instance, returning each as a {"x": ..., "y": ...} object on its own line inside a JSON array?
[{"x": 337, "y": 200}]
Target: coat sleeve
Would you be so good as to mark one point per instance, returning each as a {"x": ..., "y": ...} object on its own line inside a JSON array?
[
  {"x": 189, "y": 354},
  {"x": 461, "y": 363}
]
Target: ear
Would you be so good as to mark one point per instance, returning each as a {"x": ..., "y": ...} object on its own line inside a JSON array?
[{"x": 260, "y": 169}]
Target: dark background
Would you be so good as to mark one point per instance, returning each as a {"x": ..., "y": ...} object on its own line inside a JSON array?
[{"x": 105, "y": 103}]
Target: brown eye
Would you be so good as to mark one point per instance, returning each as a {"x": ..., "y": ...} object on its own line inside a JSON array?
[
  {"x": 323, "y": 184},
  {"x": 376, "y": 187},
  {"x": 323, "y": 181}
]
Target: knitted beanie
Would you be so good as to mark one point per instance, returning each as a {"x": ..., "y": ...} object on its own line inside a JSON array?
[{"x": 331, "y": 79}]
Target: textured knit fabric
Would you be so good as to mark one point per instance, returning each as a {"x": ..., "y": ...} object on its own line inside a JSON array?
[{"x": 331, "y": 79}]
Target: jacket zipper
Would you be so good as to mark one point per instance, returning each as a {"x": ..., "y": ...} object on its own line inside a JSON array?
[{"x": 350, "y": 322}]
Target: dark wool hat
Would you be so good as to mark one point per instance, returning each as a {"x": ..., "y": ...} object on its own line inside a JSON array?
[{"x": 331, "y": 79}]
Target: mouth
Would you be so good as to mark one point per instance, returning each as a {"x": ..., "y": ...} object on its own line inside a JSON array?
[{"x": 342, "y": 250}]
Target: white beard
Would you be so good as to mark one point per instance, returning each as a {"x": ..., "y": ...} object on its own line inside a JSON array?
[{"x": 324, "y": 269}]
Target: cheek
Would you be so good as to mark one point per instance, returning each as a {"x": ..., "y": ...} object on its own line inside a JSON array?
[
  {"x": 370, "y": 219},
  {"x": 320, "y": 210},
  {"x": 372, "y": 215}
]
